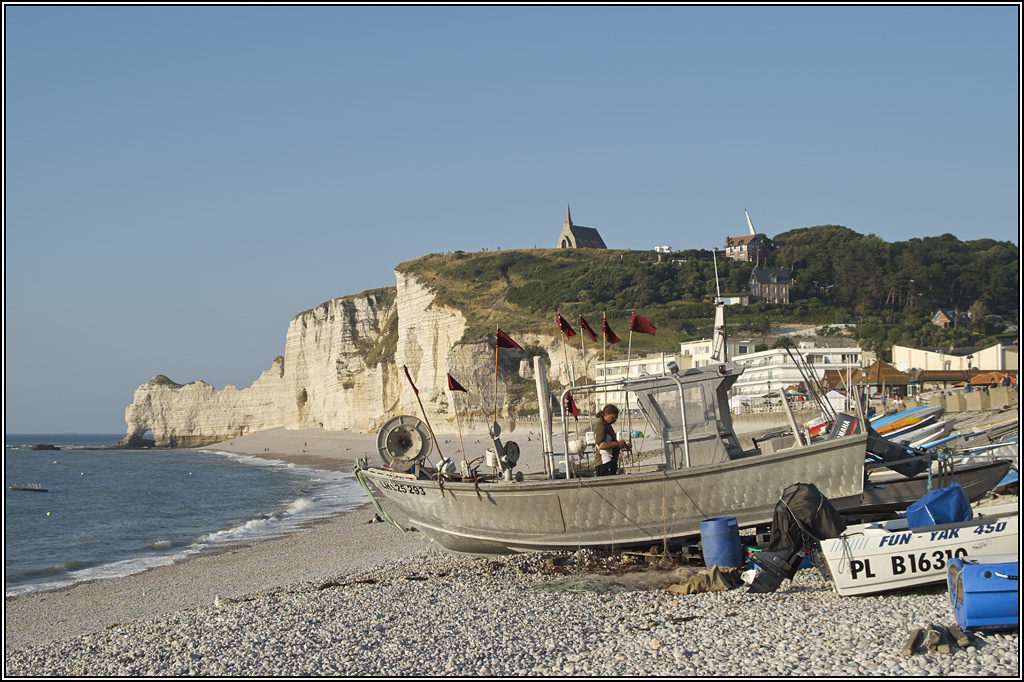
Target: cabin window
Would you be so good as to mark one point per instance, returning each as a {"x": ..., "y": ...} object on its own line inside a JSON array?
[{"x": 695, "y": 407}]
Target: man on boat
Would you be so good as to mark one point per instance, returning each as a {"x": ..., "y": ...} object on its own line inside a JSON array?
[{"x": 607, "y": 441}]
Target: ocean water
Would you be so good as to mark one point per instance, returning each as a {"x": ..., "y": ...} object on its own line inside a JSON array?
[{"x": 109, "y": 513}]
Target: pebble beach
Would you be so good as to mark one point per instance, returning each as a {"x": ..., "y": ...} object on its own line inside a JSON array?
[{"x": 346, "y": 597}]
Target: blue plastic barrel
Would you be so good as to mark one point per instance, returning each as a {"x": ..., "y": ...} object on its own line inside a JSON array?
[{"x": 721, "y": 541}]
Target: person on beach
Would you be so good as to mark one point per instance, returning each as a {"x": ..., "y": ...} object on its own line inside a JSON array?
[{"x": 607, "y": 441}]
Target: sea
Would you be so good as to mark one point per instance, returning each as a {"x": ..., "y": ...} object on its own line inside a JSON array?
[{"x": 109, "y": 512}]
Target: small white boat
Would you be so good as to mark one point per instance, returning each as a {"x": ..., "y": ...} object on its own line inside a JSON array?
[
  {"x": 931, "y": 433},
  {"x": 888, "y": 555}
]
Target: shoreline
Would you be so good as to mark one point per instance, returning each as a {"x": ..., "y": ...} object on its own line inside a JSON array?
[{"x": 320, "y": 549}]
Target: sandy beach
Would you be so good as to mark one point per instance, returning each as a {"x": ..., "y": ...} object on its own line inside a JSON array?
[{"x": 342, "y": 596}]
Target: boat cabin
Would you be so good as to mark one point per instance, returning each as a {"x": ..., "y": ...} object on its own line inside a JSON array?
[{"x": 689, "y": 410}]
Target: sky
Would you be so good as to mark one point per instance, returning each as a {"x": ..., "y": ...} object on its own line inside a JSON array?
[{"x": 181, "y": 181}]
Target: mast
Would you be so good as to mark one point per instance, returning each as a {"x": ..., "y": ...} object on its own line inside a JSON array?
[{"x": 718, "y": 351}]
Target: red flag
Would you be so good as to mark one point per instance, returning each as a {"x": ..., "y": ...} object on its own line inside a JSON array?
[
  {"x": 586, "y": 327},
  {"x": 609, "y": 335},
  {"x": 565, "y": 327},
  {"x": 570, "y": 405},
  {"x": 502, "y": 340},
  {"x": 453, "y": 385},
  {"x": 414, "y": 389},
  {"x": 637, "y": 323}
]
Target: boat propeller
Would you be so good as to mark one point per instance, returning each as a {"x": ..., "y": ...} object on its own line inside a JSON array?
[{"x": 403, "y": 442}]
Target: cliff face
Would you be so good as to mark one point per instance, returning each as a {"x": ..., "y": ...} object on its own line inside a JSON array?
[
  {"x": 342, "y": 370},
  {"x": 196, "y": 414}
]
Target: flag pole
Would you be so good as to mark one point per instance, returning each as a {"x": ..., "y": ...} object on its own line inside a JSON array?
[
  {"x": 497, "y": 329},
  {"x": 604, "y": 352},
  {"x": 583, "y": 352},
  {"x": 431, "y": 430},
  {"x": 565, "y": 353},
  {"x": 629, "y": 352},
  {"x": 465, "y": 462}
]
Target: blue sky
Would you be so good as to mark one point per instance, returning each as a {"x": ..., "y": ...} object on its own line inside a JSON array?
[{"x": 181, "y": 181}]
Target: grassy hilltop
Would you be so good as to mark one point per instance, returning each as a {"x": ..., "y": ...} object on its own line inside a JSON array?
[
  {"x": 523, "y": 290},
  {"x": 889, "y": 291}
]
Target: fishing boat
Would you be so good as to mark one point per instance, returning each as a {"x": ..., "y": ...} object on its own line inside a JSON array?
[
  {"x": 29, "y": 488},
  {"x": 702, "y": 472},
  {"x": 886, "y": 491},
  {"x": 889, "y": 555}
]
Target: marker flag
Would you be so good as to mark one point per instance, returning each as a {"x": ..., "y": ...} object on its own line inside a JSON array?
[
  {"x": 637, "y": 323},
  {"x": 586, "y": 327},
  {"x": 453, "y": 385},
  {"x": 565, "y": 327},
  {"x": 609, "y": 335},
  {"x": 502, "y": 340},
  {"x": 570, "y": 405}
]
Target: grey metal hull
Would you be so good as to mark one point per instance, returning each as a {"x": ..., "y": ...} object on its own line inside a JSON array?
[{"x": 628, "y": 509}]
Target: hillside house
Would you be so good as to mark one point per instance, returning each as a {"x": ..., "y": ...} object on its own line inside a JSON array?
[
  {"x": 770, "y": 284},
  {"x": 951, "y": 318},
  {"x": 750, "y": 247}
]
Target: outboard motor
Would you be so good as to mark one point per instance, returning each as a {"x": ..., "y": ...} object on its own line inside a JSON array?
[
  {"x": 892, "y": 455},
  {"x": 803, "y": 517}
]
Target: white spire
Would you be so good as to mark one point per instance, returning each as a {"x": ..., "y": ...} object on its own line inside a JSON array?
[{"x": 749, "y": 224}]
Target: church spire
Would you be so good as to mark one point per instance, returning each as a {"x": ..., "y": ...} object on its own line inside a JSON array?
[{"x": 568, "y": 218}]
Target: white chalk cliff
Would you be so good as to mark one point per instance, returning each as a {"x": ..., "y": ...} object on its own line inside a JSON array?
[{"x": 342, "y": 370}]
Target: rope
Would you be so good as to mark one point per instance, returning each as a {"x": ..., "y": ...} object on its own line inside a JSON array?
[{"x": 358, "y": 471}]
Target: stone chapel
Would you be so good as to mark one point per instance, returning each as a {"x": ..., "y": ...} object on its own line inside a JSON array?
[{"x": 577, "y": 236}]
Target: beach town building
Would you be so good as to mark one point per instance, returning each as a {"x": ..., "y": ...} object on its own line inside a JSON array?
[
  {"x": 881, "y": 378},
  {"x": 998, "y": 357},
  {"x": 700, "y": 351},
  {"x": 577, "y": 236},
  {"x": 768, "y": 370},
  {"x": 945, "y": 368}
]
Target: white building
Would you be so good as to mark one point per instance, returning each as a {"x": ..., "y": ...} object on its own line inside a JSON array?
[
  {"x": 999, "y": 357},
  {"x": 700, "y": 351},
  {"x": 768, "y": 370},
  {"x": 638, "y": 366}
]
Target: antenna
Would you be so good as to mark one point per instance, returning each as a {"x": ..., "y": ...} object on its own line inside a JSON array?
[{"x": 749, "y": 224}]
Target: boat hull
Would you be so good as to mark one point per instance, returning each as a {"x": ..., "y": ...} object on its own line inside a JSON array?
[
  {"x": 872, "y": 558},
  {"x": 892, "y": 492},
  {"x": 628, "y": 509}
]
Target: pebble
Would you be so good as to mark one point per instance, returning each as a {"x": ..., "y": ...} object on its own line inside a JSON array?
[{"x": 506, "y": 616}]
